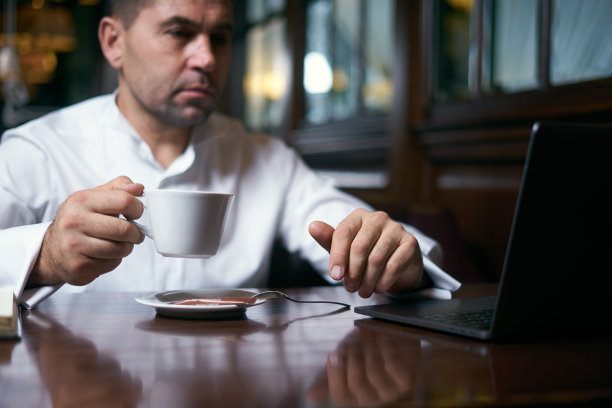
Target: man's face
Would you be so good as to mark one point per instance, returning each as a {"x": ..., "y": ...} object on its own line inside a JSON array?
[{"x": 176, "y": 57}]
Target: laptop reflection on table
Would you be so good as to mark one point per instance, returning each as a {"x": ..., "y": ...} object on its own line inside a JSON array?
[{"x": 557, "y": 274}]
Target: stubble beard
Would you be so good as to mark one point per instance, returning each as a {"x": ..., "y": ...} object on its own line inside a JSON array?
[{"x": 173, "y": 115}]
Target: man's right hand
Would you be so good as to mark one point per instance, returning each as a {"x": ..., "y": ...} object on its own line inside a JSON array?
[{"x": 87, "y": 237}]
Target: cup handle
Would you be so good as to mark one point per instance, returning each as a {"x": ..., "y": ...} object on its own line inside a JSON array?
[{"x": 145, "y": 229}]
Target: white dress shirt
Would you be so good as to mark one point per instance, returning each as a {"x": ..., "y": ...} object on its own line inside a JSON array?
[{"x": 90, "y": 143}]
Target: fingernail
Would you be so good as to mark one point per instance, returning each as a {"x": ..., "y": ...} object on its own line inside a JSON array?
[{"x": 336, "y": 272}]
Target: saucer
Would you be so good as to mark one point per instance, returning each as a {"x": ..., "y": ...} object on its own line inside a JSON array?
[{"x": 162, "y": 302}]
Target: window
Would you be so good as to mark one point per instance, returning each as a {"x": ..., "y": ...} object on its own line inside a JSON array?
[
  {"x": 512, "y": 41},
  {"x": 265, "y": 82},
  {"x": 267, "y": 71},
  {"x": 505, "y": 46},
  {"x": 347, "y": 88},
  {"x": 581, "y": 49},
  {"x": 319, "y": 74},
  {"x": 348, "y": 59}
]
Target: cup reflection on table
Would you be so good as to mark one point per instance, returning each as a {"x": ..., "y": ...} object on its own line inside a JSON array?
[
  {"x": 75, "y": 372},
  {"x": 242, "y": 364}
]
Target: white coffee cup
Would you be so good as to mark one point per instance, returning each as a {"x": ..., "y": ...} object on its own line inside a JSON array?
[{"x": 185, "y": 224}]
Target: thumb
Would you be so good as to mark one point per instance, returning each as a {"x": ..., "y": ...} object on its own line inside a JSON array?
[
  {"x": 322, "y": 233},
  {"x": 123, "y": 183}
]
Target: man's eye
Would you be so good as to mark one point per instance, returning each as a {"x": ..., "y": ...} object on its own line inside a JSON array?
[
  {"x": 219, "y": 39},
  {"x": 179, "y": 33}
]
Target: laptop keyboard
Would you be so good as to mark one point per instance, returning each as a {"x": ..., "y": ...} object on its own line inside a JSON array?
[{"x": 474, "y": 319}]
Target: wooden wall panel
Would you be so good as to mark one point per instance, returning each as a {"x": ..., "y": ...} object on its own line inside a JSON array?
[{"x": 482, "y": 200}]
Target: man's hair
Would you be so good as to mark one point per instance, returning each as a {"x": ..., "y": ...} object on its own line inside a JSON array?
[{"x": 127, "y": 10}]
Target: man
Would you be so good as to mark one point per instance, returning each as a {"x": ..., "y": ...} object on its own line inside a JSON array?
[{"x": 158, "y": 130}]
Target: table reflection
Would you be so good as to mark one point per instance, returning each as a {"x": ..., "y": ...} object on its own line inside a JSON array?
[
  {"x": 378, "y": 364},
  {"x": 107, "y": 350},
  {"x": 75, "y": 373},
  {"x": 116, "y": 359},
  {"x": 254, "y": 365},
  {"x": 456, "y": 371},
  {"x": 264, "y": 360},
  {"x": 223, "y": 368},
  {"x": 368, "y": 368}
]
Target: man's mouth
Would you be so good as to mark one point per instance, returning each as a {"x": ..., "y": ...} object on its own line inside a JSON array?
[{"x": 198, "y": 91}]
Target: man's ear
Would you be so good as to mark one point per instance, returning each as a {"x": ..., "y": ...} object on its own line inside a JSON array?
[{"x": 110, "y": 33}]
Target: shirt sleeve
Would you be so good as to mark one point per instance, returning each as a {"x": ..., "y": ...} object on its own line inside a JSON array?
[
  {"x": 24, "y": 182},
  {"x": 311, "y": 197},
  {"x": 19, "y": 248}
]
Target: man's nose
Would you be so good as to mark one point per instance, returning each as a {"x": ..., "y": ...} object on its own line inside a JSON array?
[{"x": 201, "y": 56}]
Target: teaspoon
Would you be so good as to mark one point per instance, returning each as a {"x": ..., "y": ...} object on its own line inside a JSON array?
[
  {"x": 238, "y": 301},
  {"x": 274, "y": 294}
]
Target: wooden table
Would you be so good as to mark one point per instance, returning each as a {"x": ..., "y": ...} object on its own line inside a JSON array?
[{"x": 106, "y": 350}]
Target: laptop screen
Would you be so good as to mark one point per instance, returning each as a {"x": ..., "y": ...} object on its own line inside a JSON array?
[{"x": 557, "y": 264}]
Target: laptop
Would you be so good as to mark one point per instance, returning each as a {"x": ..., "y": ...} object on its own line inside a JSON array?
[{"x": 557, "y": 272}]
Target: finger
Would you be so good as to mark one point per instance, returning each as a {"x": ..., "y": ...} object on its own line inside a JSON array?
[
  {"x": 359, "y": 386},
  {"x": 99, "y": 249},
  {"x": 337, "y": 378},
  {"x": 404, "y": 267},
  {"x": 112, "y": 229},
  {"x": 361, "y": 248},
  {"x": 376, "y": 262},
  {"x": 78, "y": 247},
  {"x": 341, "y": 249},
  {"x": 400, "y": 361},
  {"x": 119, "y": 202},
  {"x": 95, "y": 213},
  {"x": 109, "y": 202},
  {"x": 123, "y": 183},
  {"x": 377, "y": 369},
  {"x": 322, "y": 233},
  {"x": 83, "y": 248}
]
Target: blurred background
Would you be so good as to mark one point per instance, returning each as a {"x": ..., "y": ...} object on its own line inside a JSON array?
[{"x": 423, "y": 108}]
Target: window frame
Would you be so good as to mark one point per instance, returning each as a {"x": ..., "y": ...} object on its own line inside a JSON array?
[
  {"x": 546, "y": 101},
  {"x": 360, "y": 143},
  {"x": 338, "y": 144}
]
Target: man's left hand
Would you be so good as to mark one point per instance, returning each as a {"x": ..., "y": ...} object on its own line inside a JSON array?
[{"x": 372, "y": 252}]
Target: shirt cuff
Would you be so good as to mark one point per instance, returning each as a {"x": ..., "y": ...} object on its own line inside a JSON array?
[
  {"x": 20, "y": 247},
  {"x": 31, "y": 297},
  {"x": 440, "y": 279}
]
